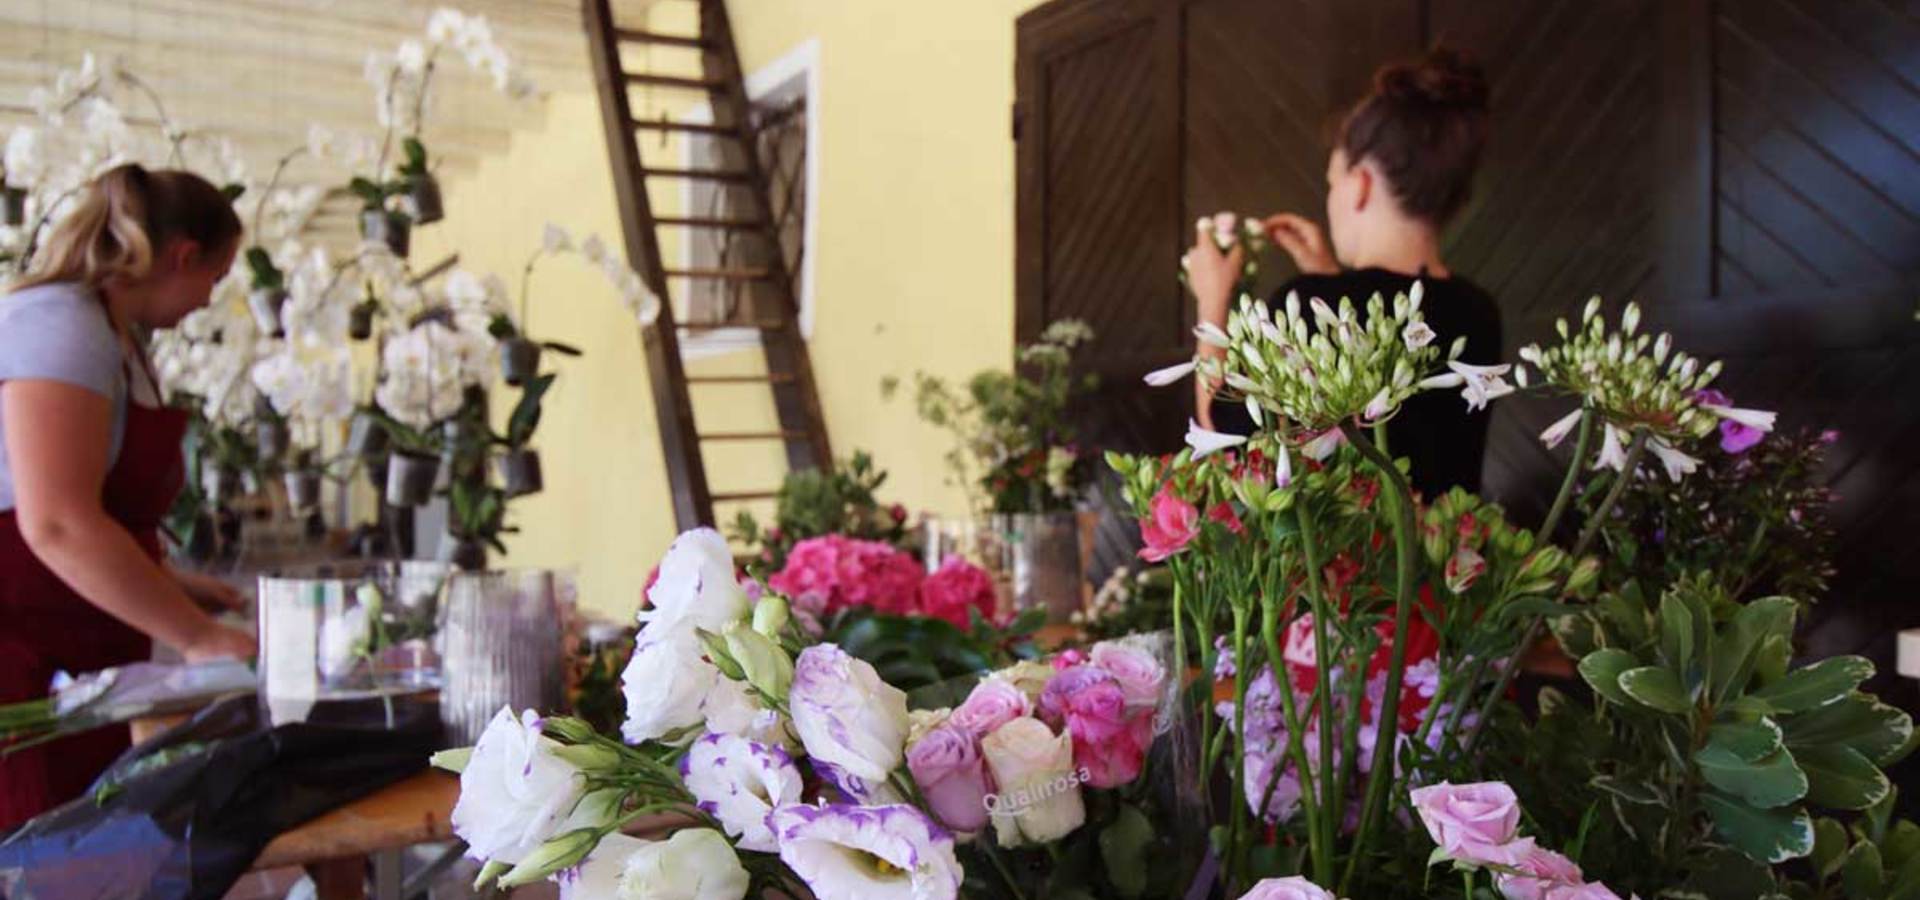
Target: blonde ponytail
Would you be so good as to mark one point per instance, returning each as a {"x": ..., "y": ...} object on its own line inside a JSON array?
[{"x": 125, "y": 217}]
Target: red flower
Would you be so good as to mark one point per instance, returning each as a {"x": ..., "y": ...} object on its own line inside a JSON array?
[
  {"x": 1222, "y": 512},
  {"x": 1172, "y": 526}
]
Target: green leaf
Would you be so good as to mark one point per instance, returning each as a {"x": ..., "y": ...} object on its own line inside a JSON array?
[
  {"x": 560, "y": 348},
  {"x": 1841, "y": 778},
  {"x": 1770, "y": 661},
  {"x": 233, "y": 191},
  {"x": 1747, "y": 740},
  {"x": 1769, "y": 835},
  {"x": 1602, "y": 670},
  {"x": 1676, "y": 633},
  {"x": 416, "y": 153},
  {"x": 1817, "y": 685},
  {"x": 526, "y": 413},
  {"x": 1829, "y": 847},
  {"x": 1774, "y": 780},
  {"x": 1739, "y": 643},
  {"x": 1123, "y": 845},
  {"x": 1626, "y": 611},
  {"x": 1632, "y": 791},
  {"x": 1657, "y": 687},
  {"x": 1861, "y": 873},
  {"x": 1860, "y": 721},
  {"x": 1901, "y": 845}
]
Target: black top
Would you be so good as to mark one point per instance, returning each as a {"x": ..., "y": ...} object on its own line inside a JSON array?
[{"x": 1433, "y": 429}]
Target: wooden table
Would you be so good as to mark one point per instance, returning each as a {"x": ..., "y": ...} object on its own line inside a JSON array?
[{"x": 335, "y": 847}]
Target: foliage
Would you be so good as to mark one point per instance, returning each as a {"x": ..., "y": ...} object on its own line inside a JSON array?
[
  {"x": 913, "y": 652},
  {"x": 813, "y": 503},
  {"x": 1014, "y": 449}
]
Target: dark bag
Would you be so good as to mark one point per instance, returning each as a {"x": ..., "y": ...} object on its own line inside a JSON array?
[{"x": 185, "y": 814}]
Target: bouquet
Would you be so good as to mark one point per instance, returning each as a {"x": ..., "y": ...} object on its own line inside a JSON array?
[{"x": 762, "y": 761}]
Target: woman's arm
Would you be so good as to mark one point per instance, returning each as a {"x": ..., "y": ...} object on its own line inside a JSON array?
[
  {"x": 57, "y": 438},
  {"x": 212, "y": 593},
  {"x": 1210, "y": 275}
]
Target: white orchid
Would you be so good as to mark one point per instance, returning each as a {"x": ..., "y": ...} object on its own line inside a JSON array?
[{"x": 426, "y": 370}]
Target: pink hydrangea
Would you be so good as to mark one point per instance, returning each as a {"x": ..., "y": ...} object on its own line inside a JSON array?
[
  {"x": 826, "y": 574},
  {"x": 956, "y": 587}
]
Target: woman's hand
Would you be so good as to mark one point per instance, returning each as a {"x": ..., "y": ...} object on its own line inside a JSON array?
[
  {"x": 1211, "y": 273},
  {"x": 219, "y": 642},
  {"x": 213, "y": 594},
  {"x": 1303, "y": 240}
]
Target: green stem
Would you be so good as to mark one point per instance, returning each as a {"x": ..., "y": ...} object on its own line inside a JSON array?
[
  {"x": 1237, "y": 823},
  {"x": 1404, "y": 537},
  {"x": 1592, "y": 530},
  {"x": 1322, "y": 692},
  {"x": 1561, "y": 499},
  {"x": 1272, "y": 599},
  {"x": 1000, "y": 865}
]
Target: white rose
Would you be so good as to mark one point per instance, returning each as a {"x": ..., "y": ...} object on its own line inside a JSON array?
[
  {"x": 694, "y": 864},
  {"x": 697, "y": 585},
  {"x": 1039, "y": 790},
  {"x": 666, "y": 684},
  {"x": 846, "y": 715},
  {"x": 515, "y": 791}
]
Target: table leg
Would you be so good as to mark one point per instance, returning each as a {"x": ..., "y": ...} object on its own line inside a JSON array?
[{"x": 339, "y": 879}]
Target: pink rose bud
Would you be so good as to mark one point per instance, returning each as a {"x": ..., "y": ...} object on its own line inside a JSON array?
[
  {"x": 1292, "y": 888},
  {"x": 952, "y": 775},
  {"x": 1543, "y": 871},
  {"x": 1140, "y": 674},
  {"x": 993, "y": 703},
  {"x": 1474, "y": 823}
]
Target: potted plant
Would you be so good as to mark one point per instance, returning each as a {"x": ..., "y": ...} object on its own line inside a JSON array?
[
  {"x": 13, "y": 204},
  {"x": 421, "y": 188},
  {"x": 380, "y": 223},
  {"x": 518, "y": 465},
  {"x": 303, "y": 480},
  {"x": 268, "y": 295},
  {"x": 360, "y": 318},
  {"x": 270, "y": 433}
]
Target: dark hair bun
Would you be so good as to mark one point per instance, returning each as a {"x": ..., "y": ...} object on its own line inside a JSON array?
[{"x": 1444, "y": 77}]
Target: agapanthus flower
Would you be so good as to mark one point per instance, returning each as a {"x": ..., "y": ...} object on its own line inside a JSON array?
[{"x": 867, "y": 852}]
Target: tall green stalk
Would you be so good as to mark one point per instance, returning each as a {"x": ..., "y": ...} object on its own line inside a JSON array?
[
  {"x": 1561, "y": 500},
  {"x": 1322, "y": 659},
  {"x": 1404, "y": 538}
]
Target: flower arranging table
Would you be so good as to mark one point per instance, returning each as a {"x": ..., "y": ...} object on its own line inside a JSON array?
[{"x": 335, "y": 847}]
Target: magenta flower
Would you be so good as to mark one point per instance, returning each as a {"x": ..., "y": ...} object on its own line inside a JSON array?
[
  {"x": 993, "y": 703},
  {"x": 1172, "y": 526},
  {"x": 956, "y": 587},
  {"x": 1109, "y": 742},
  {"x": 826, "y": 574}
]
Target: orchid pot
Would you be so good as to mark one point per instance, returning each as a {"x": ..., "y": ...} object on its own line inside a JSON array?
[
  {"x": 1039, "y": 555},
  {"x": 366, "y": 437},
  {"x": 424, "y": 193},
  {"x": 271, "y": 438},
  {"x": 466, "y": 554},
  {"x": 249, "y": 483},
  {"x": 219, "y": 483},
  {"x": 360, "y": 320},
  {"x": 503, "y": 642},
  {"x": 13, "y": 206},
  {"x": 303, "y": 488},
  {"x": 519, "y": 361},
  {"x": 266, "y": 303},
  {"x": 379, "y": 226},
  {"x": 410, "y": 478},
  {"x": 519, "y": 472}
]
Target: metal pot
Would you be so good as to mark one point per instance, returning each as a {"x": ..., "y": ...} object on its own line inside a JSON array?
[
  {"x": 424, "y": 191},
  {"x": 377, "y": 226},
  {"x": 466, "y": 554},
  {"x": 365, "y": 437},
  {"x": 519, "y": 472},
  {"x": 519, "y": 361},
  {"x": 13, "y": 206},
  {"x": 303, "y": 489},
  {"x": 272, "y": 437},
  {"x": 219, "y": 484},
  {"x": 360, "y": 322},
  {"x": 266, "y": 304},
  {"x": 410, "y": 478}
]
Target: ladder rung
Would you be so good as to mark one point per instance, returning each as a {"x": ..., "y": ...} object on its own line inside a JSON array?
[
  {"x": 694, "y": 127},
  {"x": 697, "y": 222},
  {"x": 763, "y": 325},
  {"x": 749, "y": 274},
  {"x": 697, "y": 174},
  {"x": 741, "y": 496},
  {"x": 755, "y": 436},
  {"x": 673, "y": 81},
  {"x": 774, "y": 378},
  {"x": 640, "y": 36}
]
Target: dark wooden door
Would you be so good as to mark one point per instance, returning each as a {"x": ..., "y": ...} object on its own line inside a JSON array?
[{"x": 1748, "y": 169}]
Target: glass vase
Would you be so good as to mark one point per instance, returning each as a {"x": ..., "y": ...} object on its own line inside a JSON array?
[
  {"x": 337, "y": 633},
  {"x": 1039, "y": 554},
  {"x": 503, "y": 642}
]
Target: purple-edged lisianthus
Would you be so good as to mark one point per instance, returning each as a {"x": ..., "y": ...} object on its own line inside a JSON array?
[
  {"x": 516, "y": 790},
  {"x": 738, "y": 782},
  {"x": 693, "y": 864},
  {"x": 846, "y": 715},
  {"x": 867, "y": 852}
]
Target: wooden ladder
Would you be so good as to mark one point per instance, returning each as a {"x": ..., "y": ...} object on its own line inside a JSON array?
[{"x": 789, "y": 372}]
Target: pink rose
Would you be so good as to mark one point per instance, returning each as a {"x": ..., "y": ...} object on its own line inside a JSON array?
[
  {"x": 1108, "y": 742},
  {"x": 1292, "y": 888},
  {"x": 956, "y": 587},
  {"x": 1474, "y": 823},
  {"x": 994, "y": 702},
  {"x": 952, "y": 775},
  {"x": 1544, "y": 871},
  {"x": 1171, "y": 527},
  {"x": 1067, "y": 659},
  {"x": 1139, "y": 673}
]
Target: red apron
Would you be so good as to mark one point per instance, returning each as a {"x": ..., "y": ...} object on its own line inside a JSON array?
[{"x": 49, "y": 628}]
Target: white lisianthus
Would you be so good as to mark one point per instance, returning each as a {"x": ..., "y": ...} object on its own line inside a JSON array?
[
  {"x": 697, "y": 586},
  {"x": 693, "y": 864},
  {"x": 739, "y": 782},
  {"x": 666, "y": 683},
  {"x": 868, "y": 852},
  {"x": 516, "y": 791},
  {"x": 1039, "y": 790},
  {"x": 846, "y": 715},
  {"x": 729, "y": 708}
]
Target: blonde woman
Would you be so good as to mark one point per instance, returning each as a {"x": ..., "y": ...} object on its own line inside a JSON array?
[{"x": 90, "y": 460}]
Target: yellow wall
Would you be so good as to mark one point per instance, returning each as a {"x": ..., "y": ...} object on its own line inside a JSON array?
[{"x": 913, "y": 253}]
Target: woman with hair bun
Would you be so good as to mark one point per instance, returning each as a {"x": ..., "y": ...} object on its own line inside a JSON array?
[
  {"x": 1401, "y": 168},
  {"x": 90, "y": 460}
]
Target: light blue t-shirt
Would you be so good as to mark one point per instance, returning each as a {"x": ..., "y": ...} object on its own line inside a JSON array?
[{"x": 60, "y": 332}]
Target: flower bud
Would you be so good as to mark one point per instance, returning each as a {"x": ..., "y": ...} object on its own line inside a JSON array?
[
  {"x": 1593, "y": 309},
  {"x": 1585, "y": 576},
  {"x": 454, "y": 760},
  {"x": 767, "y": 667},
  {"x": 770, "y": 614},
  {"x": 717, "y": 654},
  {"x": 589, "y": 757},
  {"x": 488, "y": 873},
  {"x": 563, "y": 852}
]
